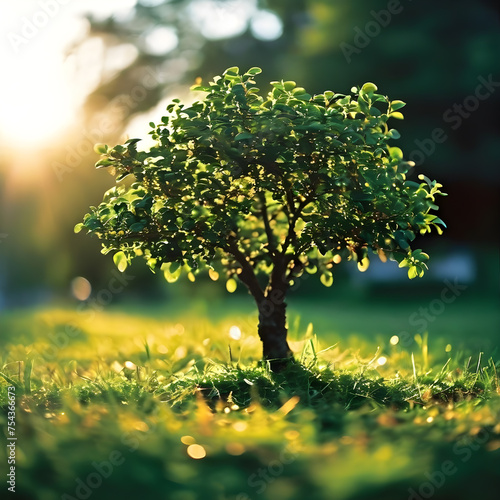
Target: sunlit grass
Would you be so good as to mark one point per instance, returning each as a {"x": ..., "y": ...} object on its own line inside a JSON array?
[{"x": 194, "y": 414}]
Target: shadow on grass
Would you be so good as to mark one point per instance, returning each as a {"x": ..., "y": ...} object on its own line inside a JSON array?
[{"x": 316, "y": 388}]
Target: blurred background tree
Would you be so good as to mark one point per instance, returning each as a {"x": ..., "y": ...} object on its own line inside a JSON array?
[{"x": 127, "y": 61}]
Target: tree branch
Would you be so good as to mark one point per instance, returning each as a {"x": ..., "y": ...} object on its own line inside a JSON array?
[
  {"x": 270, "y": 235},
  {"x": 247, "y": 275},
  {"x": 291, "y": 236}
]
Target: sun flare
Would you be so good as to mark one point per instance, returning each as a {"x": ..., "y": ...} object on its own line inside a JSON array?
[{"x": 35, "y": 108}]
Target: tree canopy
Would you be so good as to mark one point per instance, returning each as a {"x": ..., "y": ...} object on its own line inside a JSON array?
[{"x": 240, "y": 184}]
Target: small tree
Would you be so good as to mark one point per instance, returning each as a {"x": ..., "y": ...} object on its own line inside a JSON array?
[{"x": 261, "y": 189}]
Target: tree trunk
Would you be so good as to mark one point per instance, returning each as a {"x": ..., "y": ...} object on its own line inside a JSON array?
[
  {"x": 273, "y": 332},
  {"x": 272, "y": 308}
]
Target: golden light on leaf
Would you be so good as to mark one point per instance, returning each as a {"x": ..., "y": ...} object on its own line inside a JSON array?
[
  {"x": 327, "y": 278},
  {"x": 196, "y": 451},
  {"x": 337, "y": 259},
  {"x": 364, "y": 265}
]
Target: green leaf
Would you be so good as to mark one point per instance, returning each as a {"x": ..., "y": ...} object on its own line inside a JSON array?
[
  {"x": 243, "y": 135},
  {"x": 397, "y": 105},
  {"x": 364, "y": 264},
  {"x": 396, "y": 153},
  {"x": 101, "y": 148},
  {"x": 327, "y": 278},
  {"x": 253, "y": 71},
  {"x": 120, "y": 260},
  {"x": 137, "y": 227},
  {"x": 397, "y": 115},
  {"x": 393, "y": 134},
  {"x": 412, "y": 272},
  {"x": 79, "y": 227},
  {"x": 104, "y": 163},
  {"x": 369, "y": 87},
  {"x": 233, "y": 70},
  {"x": 171, "y": 271}
]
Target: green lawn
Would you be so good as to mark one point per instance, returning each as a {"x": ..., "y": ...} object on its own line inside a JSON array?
[{"x": 161, "y": 403}]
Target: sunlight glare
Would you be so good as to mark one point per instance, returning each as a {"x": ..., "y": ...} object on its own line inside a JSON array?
[
  {"x": 36, "y": 102},
  {"x": 35, "y": 107}
]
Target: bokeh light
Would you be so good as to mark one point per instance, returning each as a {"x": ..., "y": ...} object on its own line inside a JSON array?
[
  {"x": 394, "y": 340},
  {"x": 81, "y": 288},
  {"x": 235, "y": 333},
  {"x": 196, "y": 451},
  {"x": 161, "y": 40},
  {"x": 382, "y": 360},
  {"x": 266, "y": 25},
  {"x": 220, "y": 20}
]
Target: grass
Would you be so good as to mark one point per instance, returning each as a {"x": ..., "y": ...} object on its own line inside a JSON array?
[{"x": 166, "y": 405}]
